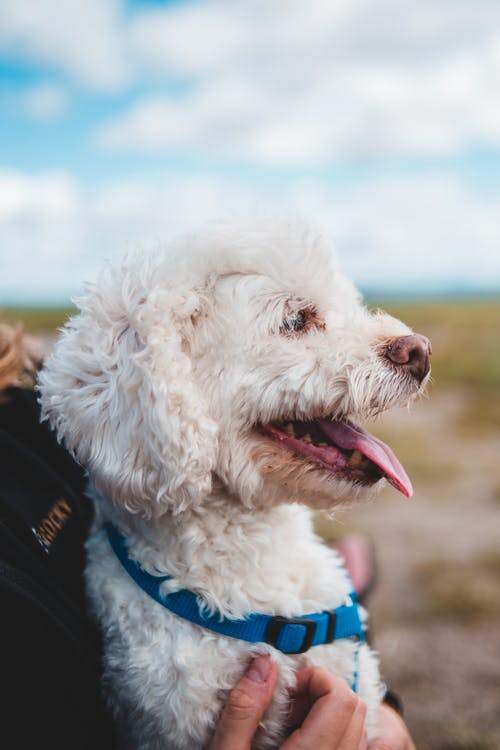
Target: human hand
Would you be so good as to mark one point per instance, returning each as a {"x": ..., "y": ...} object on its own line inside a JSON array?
[
  {"x": 330, "y": 715},
  {"x": 393, "y": 734}
]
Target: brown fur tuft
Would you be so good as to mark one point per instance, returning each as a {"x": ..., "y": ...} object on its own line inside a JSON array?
[{"x": 19, "y": 358}]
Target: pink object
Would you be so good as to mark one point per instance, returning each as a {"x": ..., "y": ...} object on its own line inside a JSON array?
[{"x": 359, "y": 559}]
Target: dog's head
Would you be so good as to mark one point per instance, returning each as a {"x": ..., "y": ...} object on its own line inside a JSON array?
[{"x": 242, "y": 360}]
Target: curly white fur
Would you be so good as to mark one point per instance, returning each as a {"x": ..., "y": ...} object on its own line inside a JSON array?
[{"x": 157, "y": 387}]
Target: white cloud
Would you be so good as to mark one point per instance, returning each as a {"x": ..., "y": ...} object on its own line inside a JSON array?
[
  {"x": 39, "y": 243},
  {"x": 360, "y": 110},
  {"x": 312, "y": 84},
  {"x": 193, "y": 39},
  {"x": 45, "y": 101},
  {"x": 47, "y": 197},
  {"x": 82, "y": 38},
  {"x": 426, "y": 232},
  {"x": 279, "y": 83},
  {"x": 421, "y": 233}
]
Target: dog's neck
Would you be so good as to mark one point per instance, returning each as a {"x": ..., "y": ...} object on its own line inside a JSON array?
[{"x": 240, "y": 560}]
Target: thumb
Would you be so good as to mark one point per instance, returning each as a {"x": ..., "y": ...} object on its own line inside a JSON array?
[{"x": 245, "y": 706}]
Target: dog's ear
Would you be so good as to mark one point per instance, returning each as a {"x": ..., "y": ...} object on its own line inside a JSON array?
[{"x": 119, "y": 391}]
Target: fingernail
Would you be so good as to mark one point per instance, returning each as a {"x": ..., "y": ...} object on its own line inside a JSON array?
[{"x": 259, "y": 669}]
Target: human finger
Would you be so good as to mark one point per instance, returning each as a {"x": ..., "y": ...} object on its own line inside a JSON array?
[
  {"x": 334, "y": 709},
  {"x": 245, "y": 706},
  {"x": 355, "y": 737}
]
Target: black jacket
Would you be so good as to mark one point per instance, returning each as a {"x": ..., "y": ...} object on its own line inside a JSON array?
[{"x": 49, "y": 648}]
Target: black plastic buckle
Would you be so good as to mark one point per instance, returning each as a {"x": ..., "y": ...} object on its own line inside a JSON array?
[
  {"x": 277, "y": 623},
  {"x": 330, "y": 631}
]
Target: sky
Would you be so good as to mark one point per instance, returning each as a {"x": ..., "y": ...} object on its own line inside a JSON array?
[{"x": 124, "y": 123}]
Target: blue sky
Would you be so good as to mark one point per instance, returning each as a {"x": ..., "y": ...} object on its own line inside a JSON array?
[{"x": 123, "y": 124}]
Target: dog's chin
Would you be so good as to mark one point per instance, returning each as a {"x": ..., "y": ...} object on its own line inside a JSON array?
[{"x": 291, "y": 478}]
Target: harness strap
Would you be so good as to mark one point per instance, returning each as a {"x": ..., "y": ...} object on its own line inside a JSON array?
[{"x": 291, "y": 635}]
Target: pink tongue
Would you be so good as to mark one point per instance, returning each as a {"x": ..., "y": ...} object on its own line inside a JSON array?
[{"x": 350, "y": 437}]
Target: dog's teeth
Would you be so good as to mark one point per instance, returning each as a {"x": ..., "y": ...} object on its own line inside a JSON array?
[
  {"x": 307, "y": 438},
  {"x": 322, "y": 445},
  {"x": 356, "y": 458},
  {"x": 288, "y": 428}
]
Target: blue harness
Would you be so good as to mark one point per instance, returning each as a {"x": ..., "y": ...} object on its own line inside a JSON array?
[{"x": 290, "y": 635}]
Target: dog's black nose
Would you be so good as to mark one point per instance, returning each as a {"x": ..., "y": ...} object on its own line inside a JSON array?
[{"x": 411, "y": 352}]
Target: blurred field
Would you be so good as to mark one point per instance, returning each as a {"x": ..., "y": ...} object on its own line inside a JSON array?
[
  {"x": 38, "y": 321},
  {"x": 436, "y": 608}
]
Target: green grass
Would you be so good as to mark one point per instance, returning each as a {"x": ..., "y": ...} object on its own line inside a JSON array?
[
  {"x": 465, "y": 339},
  {"x": 36, "y": 320},
  {"x": 466, "y": 354}
]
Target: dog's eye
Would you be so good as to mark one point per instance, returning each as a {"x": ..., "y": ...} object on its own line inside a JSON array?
[{"x": 295, "y": 322}]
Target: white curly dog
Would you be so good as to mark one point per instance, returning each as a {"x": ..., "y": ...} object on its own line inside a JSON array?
[{"x": 212, "y": 390}]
